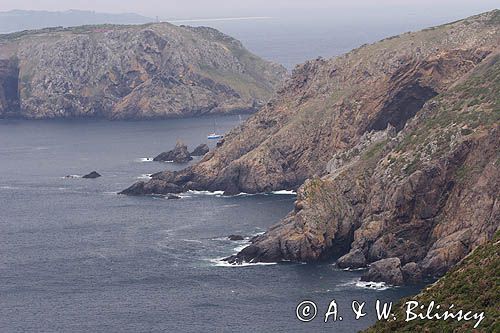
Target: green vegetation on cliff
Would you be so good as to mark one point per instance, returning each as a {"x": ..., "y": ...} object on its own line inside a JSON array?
[{"x": 473, "y": 285}]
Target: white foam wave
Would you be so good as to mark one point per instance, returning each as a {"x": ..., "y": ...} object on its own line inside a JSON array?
[
  {"x": 192, "y": 241},
  {"x": 352, "y": 269},
  {"x": 284, "y": 192},
  {"x": 145, "y": 159},
  {"x": 216, "y": 193},
  {"x": 72, "y": 176},
  {"x": 357, "y": 283},
  {"x": 9, "y": 188},
  {"x": 372, "y": 285},
  {"x": 145, "y": 176},
  {"x": 222, "y": 263}
]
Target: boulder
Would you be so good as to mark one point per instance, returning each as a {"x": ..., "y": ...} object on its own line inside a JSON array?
[
  {"x": 354, "y": 259},
  {"x": 411, "y": 273},
  {"x": 200, "y": 150},
  {"x": 385, "y": 270},
  {"x": 173, "y": 197},
  {"x": 236, "y": 237},
  {"x": 92, "y": 175},
  {"x": 179, "y": 154}
]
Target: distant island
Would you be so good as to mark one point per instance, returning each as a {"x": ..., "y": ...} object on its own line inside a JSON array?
[{"x": 155, "y": 70}]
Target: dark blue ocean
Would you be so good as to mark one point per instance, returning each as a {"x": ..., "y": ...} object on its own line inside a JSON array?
[{"x": 77, "y": 257}]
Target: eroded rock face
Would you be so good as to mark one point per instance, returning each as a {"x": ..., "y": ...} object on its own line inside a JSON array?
[
  {"x": 133, "y": 72},
  {"x": 406, "y": 169},
  {"x": 427, "y": 197}
]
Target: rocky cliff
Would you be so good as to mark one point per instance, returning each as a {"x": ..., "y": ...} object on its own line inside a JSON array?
[
  {"x": 130, "y": 72},
  {"x": 393, "y": 148}
]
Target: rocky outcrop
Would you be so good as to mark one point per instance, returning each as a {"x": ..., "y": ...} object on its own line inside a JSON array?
[
  {"x": 235, "y": 238},
  {"x": 130, "y": 72},
  {"x": 179, "y": 154},
  {"x": 201, "y": 150},
  {"x": 92, "y": 175},
  {"x": 354, "y": 259},
  {"x": 406, "y": 169},
  {"x": 385, "y": 270}
]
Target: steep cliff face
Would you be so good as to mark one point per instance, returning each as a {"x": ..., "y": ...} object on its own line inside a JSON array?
[
  {"x": 124, "y": 72},
  {"x": 9, "y": 82},
  {"x": 427, "y": 195},
  {"x": 397, "y": 143}
]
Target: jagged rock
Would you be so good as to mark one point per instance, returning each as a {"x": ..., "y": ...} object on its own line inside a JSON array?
[
  {"x": 201, "y": 150},
  {"x": 155, "y": 70},
  {"x": 179, "y": 154},
  {"x": 92, "y": 175},
  {"x": 385, "y": 270},
  {"x": 156, "y": 187},
  {"x": 253, "y": 254},
  {"x": 235, "y": 237},
  {"x": 354, "y": 259}
]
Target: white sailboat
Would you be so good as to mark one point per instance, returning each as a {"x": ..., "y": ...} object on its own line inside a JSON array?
[{"x": 214, "y": 135}]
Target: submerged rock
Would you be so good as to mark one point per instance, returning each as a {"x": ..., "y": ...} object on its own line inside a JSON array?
[
  {"x": 92, "y": 175},
  {"x": 200, "y": 150},
  {"x": 235, "y": 237},
  {"x": 173, "y": 197},
  {"x": 179, "y": 154}
]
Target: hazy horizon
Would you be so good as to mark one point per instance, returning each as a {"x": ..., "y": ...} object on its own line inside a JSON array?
[{"x": 192, "y": 9}]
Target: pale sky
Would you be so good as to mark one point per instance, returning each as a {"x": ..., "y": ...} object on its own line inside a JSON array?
[{"x": 234, "y": 8}]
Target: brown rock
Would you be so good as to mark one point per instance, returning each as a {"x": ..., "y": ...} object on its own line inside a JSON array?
[
  {"x": 411, "y": 273},
  {"x": 385, "y": 270},
  {"x": 354, "y": 259}
]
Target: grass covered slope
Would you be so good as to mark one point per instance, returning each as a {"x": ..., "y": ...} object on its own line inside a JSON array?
[{"x": 474, "y": 284}]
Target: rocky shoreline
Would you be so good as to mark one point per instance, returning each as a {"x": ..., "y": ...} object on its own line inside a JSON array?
[{"x": 401, "y": 177}]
